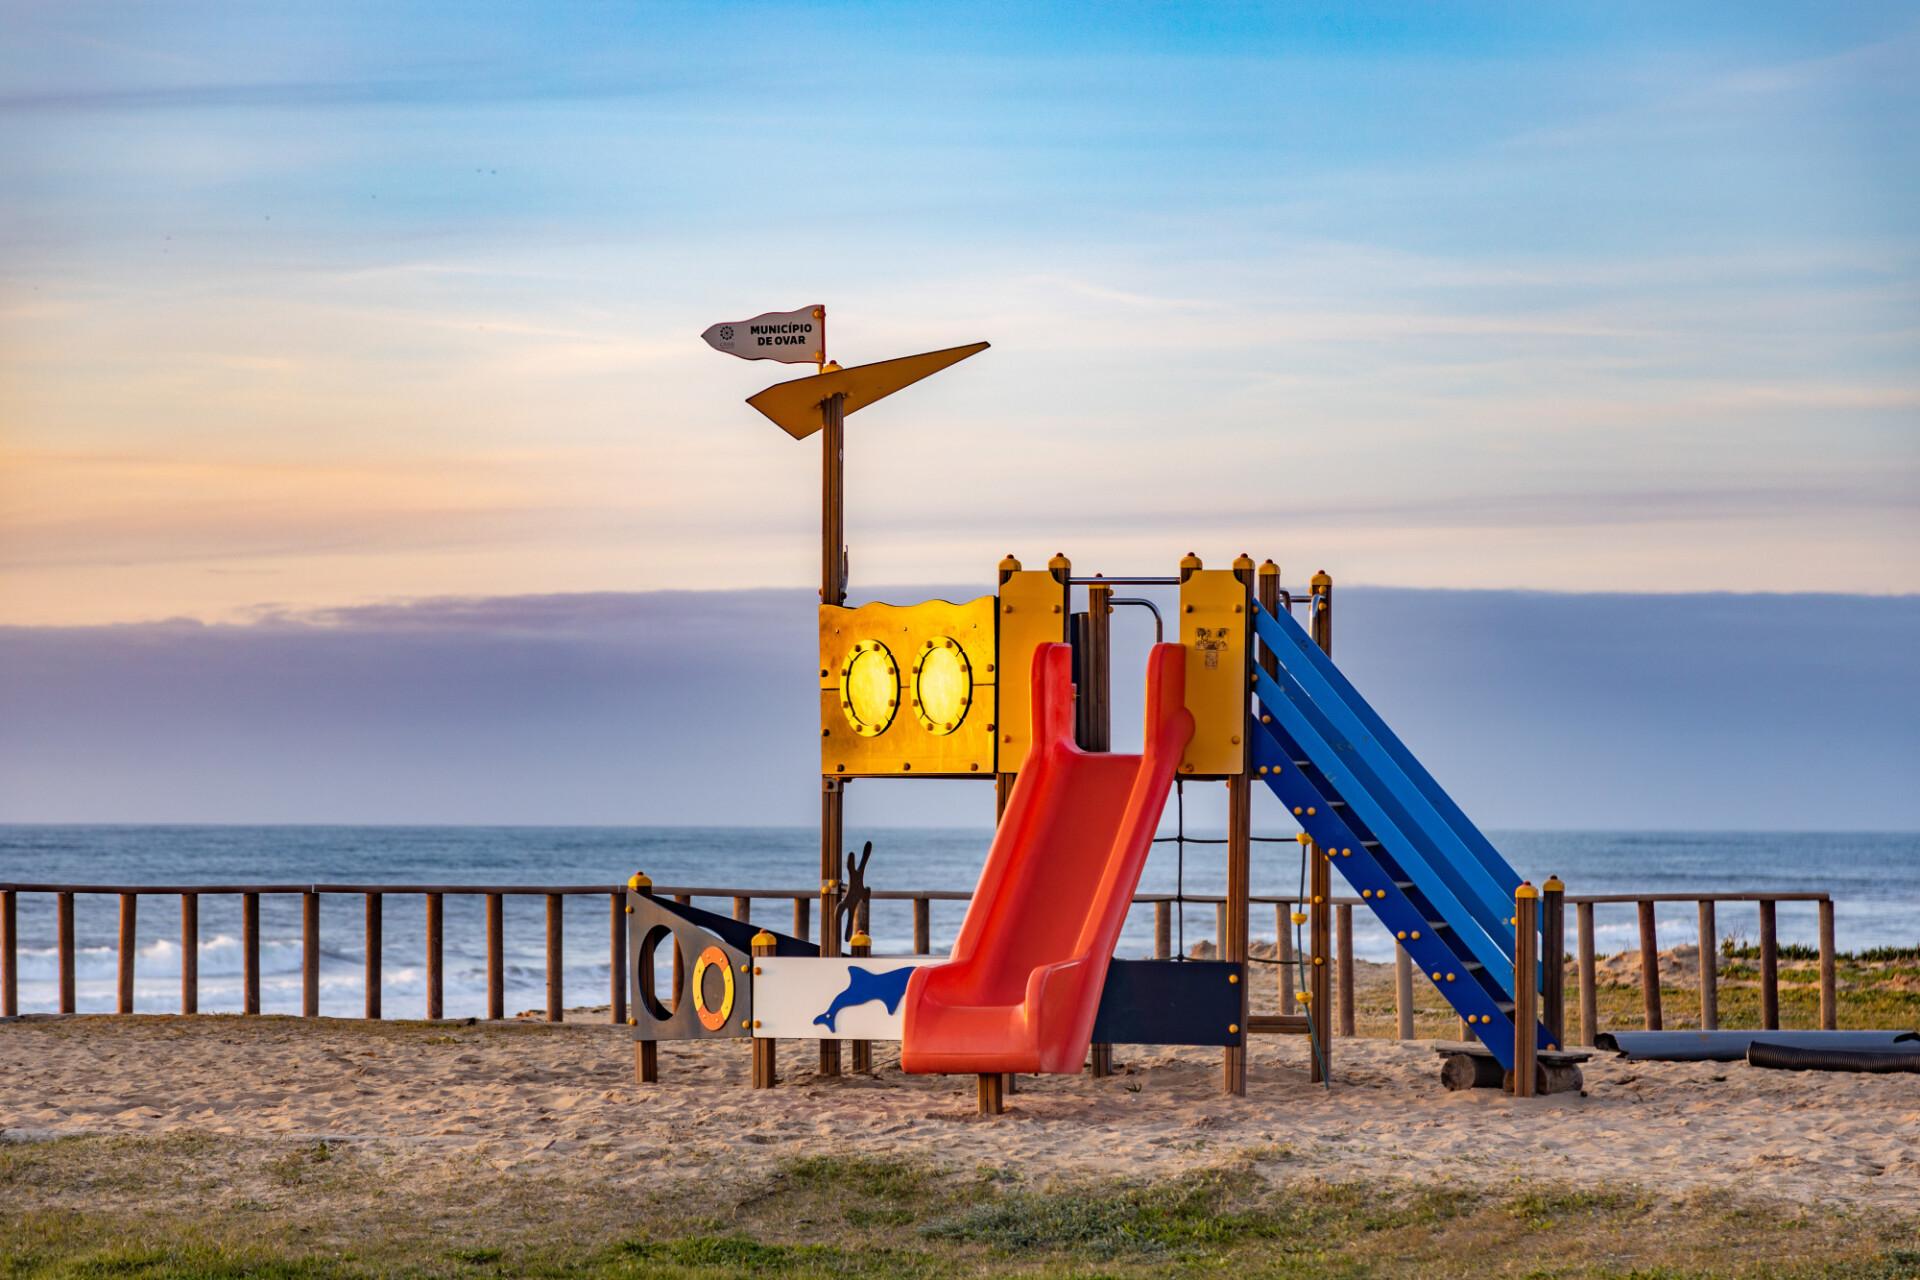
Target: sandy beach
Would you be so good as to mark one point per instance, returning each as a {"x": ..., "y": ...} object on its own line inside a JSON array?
[{"x": 539, "y": 1097}]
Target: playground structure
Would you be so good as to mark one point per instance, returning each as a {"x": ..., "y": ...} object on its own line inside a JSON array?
[{"x": 1016, "y": 687}]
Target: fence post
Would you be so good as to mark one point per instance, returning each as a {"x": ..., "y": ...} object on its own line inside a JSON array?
[
  {"x": 1650, "y": 966},
  {"x": 374, "y": 942},
  {"x": 1163, "y": 931},
  {"x": 743, "y": 910},
  {"x": 9, "y": 954},
  {"x": 1526, "y": 987},
  {"x": 1769, "y": 969},
  {"x": 436, "y": 989},
  {"x": 189, "y": 953},
  {"x": 1709, "y": 968},
  {"x": 250, "y": 953},
  {"x": 617, "y": 963},
  {"x": 803, "y": 917},
  {"x": 1344, "y": 917},
  {"x": 764, "y": 1047},
  {"x": 65, "y": 909},
  {"x": 496, "y": 960},
  {"x": 922, "y": 927},
  {"x": 129, "y": 947},
  {"x": 1589, "y": 997},
  {"x": 310, "y": 960},
  {"x": 556, "y": 974},
  {"x": 1403, "y": 990},
  {"x": 1829, "y": 995},
  {"x": 1553, "y": 959}
]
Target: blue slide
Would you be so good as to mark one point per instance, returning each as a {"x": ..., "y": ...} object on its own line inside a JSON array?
[{"x": 1434, "y": 881}]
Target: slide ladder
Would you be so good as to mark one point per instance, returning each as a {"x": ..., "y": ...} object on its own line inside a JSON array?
[
  {"x": 1024, "y": 983},
  {"x": 1431, "y": 877}
]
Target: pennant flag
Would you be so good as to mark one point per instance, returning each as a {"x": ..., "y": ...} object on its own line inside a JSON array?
[{"x": 791, "y": 337}]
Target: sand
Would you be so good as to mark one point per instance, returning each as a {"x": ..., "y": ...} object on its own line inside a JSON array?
[{"x": 533, "y": 1096}]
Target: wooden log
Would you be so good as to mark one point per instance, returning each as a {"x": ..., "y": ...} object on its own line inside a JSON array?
[
  {"x": 1649, "y": 967},
  {"x": 129, "y": 947},
  {"x": 556, "y": 973},
  {"x": 1526, "y": 988},
  {"x": 1461, "y": 1071},
  {"x": 189, "y": 953},
  {"x": 1709, "y": 968},
  {"x": 1344, "y": 917},
  {"x": 617, "y": 963},
  {"x": 250, "y": 952},
  {"x": 9, "y": 954},
  {"x": 496, "y": 960},
  {"x": 1403, "y": 991},
  {"x": 375, "y": 944},
  {"x": 1769, "y": 969},
  {"x": 922, "y": 927},
  {"x": 436, "y": 973},
  {"x": 765, "y": 1065},
  {"x": 310, "y": 955},
  {"x": 1829, "y": 985},
  {"x": 1549, "y": 1077},
  {"x": 64, "y": 908},
  {"x": 1553, "y": 960},
  {"x": 1589, "y": 990}
]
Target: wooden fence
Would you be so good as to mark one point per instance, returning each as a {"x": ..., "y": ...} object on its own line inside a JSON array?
[{"x": 802, "y": 905}]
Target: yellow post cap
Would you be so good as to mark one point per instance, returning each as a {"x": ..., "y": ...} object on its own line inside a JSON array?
[
  {"x": 1526, "y": 890},
  {"x": 1009, "y": 565},
  {"x": 765, "y": 939},
  {"x": 1242, "y": 563},
  {"x": 1268, "y": 567},
  {"x": 1321, "y": 579},
  {"x": 1552, "y": 885},
  {"x": 1191, "y": 561},
  {"x": 1059, "y": 561},
  {"x": 860, "y": 939},
  {"x": 639, "y": 880}
]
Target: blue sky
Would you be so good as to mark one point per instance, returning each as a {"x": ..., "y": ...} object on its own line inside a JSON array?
[{"x": 309, "y": 306}]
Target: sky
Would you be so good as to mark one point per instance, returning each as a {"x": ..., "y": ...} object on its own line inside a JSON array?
[{"x": 317, "y": 307}]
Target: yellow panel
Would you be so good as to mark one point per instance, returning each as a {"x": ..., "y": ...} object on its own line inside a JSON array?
[
  {"x": 1213, "y": 627},
  {"x": 907, "y": 690},
  {"x": 795, "y": 406},
  {"x": 1033, "y": 612}
]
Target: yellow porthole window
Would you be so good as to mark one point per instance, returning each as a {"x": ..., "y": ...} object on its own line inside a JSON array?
[
  {"x": 942, "y": 686},
  {"x": 870, "y": 688}
]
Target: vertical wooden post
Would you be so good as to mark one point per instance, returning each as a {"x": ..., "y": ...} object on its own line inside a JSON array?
[
  {"x": 861, "y": 945},
  {"x": 1829, "y": 997},
  {"x": 989, "y": 1093},
  {"x": 556, "y": 970},
  {"x": 1553, "y": 960},
  {"x": 922, "y": 927},
  {"x": 1320, "y": 975},
  {"x": 310, "y": 960},
  {"x": 310, "y": 954},
  {"x": 1403, "y": 990},
  {"x": 617, "y": 962},
  {"x": 1220, "y": 930},
  {"x": 646, "y": 1053},
  {"x": 1163, "y": 930},
  {"x": 1289, "y": 960},
  {"x": 496, "y": 959},
  {"x": 250, "y": 952},
  {"x": 1323, "y": 612},
  {"x": 1769, "y": 969},
  {"x": 743, "y": 910},
  {"x": 1649, "y": 967},
  {"x": 189, "y": 953},
  {"x": 764, "y": 1047},
  {"x": 436, "y": 973},
  {"x": 803, "y": 919},
  {"x": 833, "y": 590},
  {"x": 1343, "y": 918},
  {"x": 1093, "y": 705},
  {"x": 1589, "y": 995},
  {"x": 64, "y": 908},
  {"x": 1709, "y": 968},
  {"x": 9, "y": 953},
  {"x": 1526, "y": 987},
  {"x": 129, "y": 947},
  {"x": 375, "y": 903}
]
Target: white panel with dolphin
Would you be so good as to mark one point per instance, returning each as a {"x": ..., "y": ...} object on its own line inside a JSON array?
[{"x": 833, "y": 997}]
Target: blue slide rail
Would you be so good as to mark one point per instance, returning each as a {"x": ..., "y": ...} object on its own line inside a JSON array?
[{"x": 1435, "y": 882}]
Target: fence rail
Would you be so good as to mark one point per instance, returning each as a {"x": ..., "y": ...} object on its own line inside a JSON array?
[{"x": 375, "y": 896}]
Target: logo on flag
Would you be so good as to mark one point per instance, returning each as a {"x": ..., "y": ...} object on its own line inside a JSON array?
[{"x": 791, "y": 337}]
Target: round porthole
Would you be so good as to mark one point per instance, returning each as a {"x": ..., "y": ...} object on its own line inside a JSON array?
[
  {"x": 942, "y": 686},
  {"x": 869, "y": 688},
  {"x": 716, "y": 1006}
]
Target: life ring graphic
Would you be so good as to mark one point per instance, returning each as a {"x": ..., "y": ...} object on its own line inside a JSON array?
[{"x": 712, "y": 1019}]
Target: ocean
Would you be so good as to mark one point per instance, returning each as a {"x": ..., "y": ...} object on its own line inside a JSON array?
[{"x": 1873, "y": 877}]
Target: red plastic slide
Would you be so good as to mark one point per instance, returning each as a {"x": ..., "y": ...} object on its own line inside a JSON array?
[{"x": 1024, "y": 982}]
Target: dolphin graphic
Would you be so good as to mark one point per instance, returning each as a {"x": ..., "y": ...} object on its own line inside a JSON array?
[{"x": 864, "y": 987}]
